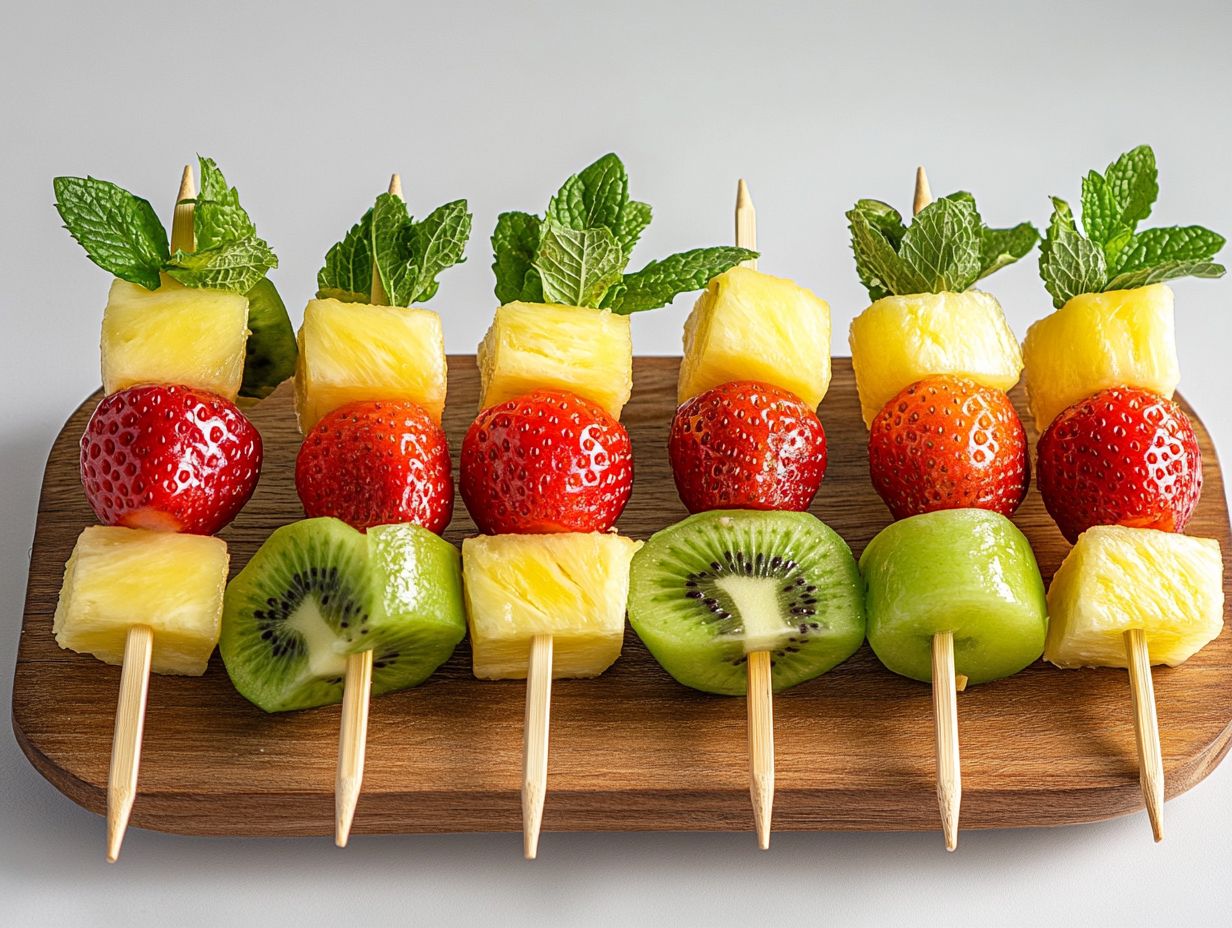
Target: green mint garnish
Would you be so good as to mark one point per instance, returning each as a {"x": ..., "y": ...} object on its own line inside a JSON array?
[
  {"x": 1114, "y": 255},
  {"x": 121, "y": 234},
  {"x": 409, "y": 254},
  {"x": 577, "y": 253},
  {"x": 947, "y": 247}
]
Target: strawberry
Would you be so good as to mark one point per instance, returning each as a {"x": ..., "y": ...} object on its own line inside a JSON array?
[
  {"x": 169, "y": 458},
  {"x": 1124, "y": 456},
  {"x": 375, "y": 463},
  {"x": 948, "y": 443},
  {"x": 547, "y": 461},
  {"x": 746, "y": 445}
]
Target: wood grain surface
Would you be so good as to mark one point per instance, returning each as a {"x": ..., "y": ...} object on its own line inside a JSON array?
[{"x": 632, "y": 749}]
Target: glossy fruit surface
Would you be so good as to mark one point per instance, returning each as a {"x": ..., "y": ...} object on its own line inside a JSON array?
[
  {"x": 547, "y": 461},
  {"x": 169, "y": 458},
  {"x": 1124, "y": 456},
  {"x": 948, "y": 443},
  {"x": 966, "y": 571},
  {"x": 377, "y": 463},
  {"x": 747, "y": 445}
]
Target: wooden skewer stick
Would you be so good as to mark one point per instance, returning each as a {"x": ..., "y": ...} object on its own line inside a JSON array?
[
  {"x": 1146, "y": 728},
  {"x": 139, "y": 644},
  {"x": 946, "y": 684},
  {"x": 357, "y": 685},
  {"x": 760, "y": 692},
  {"x": 126, "y": 742},
  {"x": 535, "y": 743},
  {"x": 945, "y": 715}
]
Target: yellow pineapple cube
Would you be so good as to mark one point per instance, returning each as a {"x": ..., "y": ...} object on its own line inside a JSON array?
[
  {"x": 174, "y": 334},
  {"x": 901, "y": 339},
  {"x": 1118, "y": 578},
  {"x": 350, "y": 352},
  {"x": 751, "y": 326},
  {"x": 572, "y": 586},
  {"x": 120, "y": 577},
  {"x": 534, "y": 346},
  {"x": 1100, "y": 340}
]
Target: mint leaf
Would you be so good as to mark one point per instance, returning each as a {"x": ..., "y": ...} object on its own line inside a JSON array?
[
  {"x": 1069, "y": 263},
  {"x": 391, "y": 249},
  {"x": 437, "y": 243},
  {"x": 236, "y": 266},
  {"x": 1167, "y": 270},
  {"x": 1113, "y": 203},
  {"x": 347, "y": 274},
  {"x": 878, "y": 264},
  {"x": 658, "y": 283},
  {"x": 1169, "y": 243},
  {"x": 594, "y": 197},
  {"x": 633, "y": 222},
  {"x": 514, "y": 243},
  {"x": 885, "y": 219},
  {"x": 1001, "y": 247},
  {"x": 217, "y": 214},
  {"x": 943, "y": 245},
  {"x": 120, "y": 232},
  {"x": 577, "y": 266}
]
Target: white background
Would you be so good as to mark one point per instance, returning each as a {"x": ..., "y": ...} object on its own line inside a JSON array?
[{"x": 309, "y": 106}]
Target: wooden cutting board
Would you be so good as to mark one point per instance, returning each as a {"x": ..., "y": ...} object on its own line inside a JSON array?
[{"x": 632, "y": 749}]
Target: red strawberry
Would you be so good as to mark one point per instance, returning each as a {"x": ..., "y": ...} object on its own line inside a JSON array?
[
  {"x": 746, "y": 445},
  {"x": 548, "y": 461},
  {"x": 169, "y": 458},
  {"x": 1123, "y": 456},
  {"x": 376, "y": 463},
  {"x": 948, "y": 443}
]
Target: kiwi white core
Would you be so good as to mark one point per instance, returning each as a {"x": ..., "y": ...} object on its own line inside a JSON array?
[
  {"x": 325, "y": 658},
  {"x": 757, "y": 603}
]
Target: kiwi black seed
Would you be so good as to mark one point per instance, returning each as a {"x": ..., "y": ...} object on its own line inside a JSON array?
[
  {"x": 709, "y": 590},
  {"x": 318, "y": 590}
]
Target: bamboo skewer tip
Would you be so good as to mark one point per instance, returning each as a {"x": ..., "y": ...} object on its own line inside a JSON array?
[
  {"x": 761, "y": 744},
  {"x": 1146, "y": 728},
  {"x": 126, "y": 738},
  {"x": 395, "y": 185},
  {"x": 945, "y": 717},
  {"x": 923, "y": 194},
  {"x": 535, "y": 742},
  {"x": 352, "y": 743},
  {"x": 188, "y": 187}
]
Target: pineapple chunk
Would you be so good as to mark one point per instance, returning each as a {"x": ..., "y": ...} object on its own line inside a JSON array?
[
  {"x": 901, "y": 339},
  {"x": 571, "y": 586},
  {"x": 1100, "y": 340},
  {"x": 174, "y": 334},
  {"x": 1118, "y": 578},
  {"x": 751, "y": 326},
  {"x": 349, "y": 352},
  {"x": 120, "y": 577},
  {"x": 534, "y": 346}
]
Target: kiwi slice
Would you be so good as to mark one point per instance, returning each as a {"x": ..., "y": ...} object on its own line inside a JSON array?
[
  {"x": 707, "y": 591},
  {"x": 271, "y": 349},
  {"x": 318, "y": 591}
]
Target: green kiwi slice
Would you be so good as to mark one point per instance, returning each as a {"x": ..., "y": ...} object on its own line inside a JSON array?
[
  {"x": 318, "y": 591},
  {"x": 271, "y": 348},
  {"x": 709, "y": 590}
]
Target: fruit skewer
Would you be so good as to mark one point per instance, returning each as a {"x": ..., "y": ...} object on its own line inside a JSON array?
[
  {"x": 933, "y": 359},
  {"x": 163, "y": 453},
  {"x": 736, "y": 599},
  {"x": 1115, "y": 449}
]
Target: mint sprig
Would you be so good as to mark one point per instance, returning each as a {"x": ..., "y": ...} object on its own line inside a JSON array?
[
  {"x": 409, "y": 254},
  {"x": 1114, "y": 255},
  {"x": 947, "y": 247},
  {"x": 576, "y": 254},
  {"x": 121, "y": 234}
]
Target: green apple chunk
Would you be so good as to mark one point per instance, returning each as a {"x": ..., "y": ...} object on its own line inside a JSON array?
[{"x": 967, "y": 571}]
